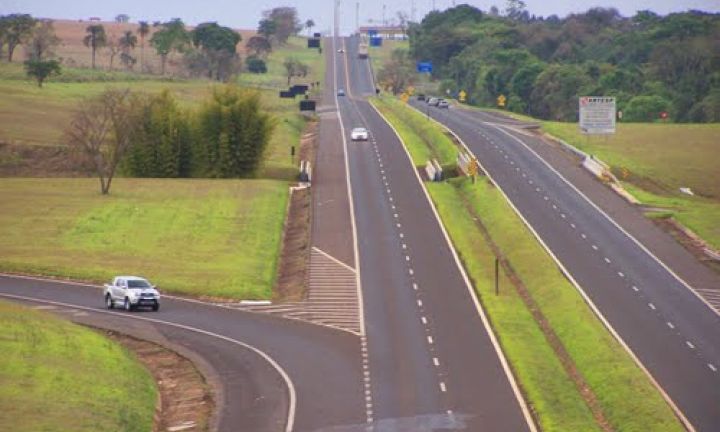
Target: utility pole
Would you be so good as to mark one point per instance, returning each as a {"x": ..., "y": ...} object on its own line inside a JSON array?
[
  {"x": 357, "y": 16},
  {"x": 412, "y": 10},
  {"x": 384, "y": 22},
  {"x": 336, "y": 30}
]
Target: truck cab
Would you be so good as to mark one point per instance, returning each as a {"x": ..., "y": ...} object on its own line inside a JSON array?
[{"x": 131, "y": 292}]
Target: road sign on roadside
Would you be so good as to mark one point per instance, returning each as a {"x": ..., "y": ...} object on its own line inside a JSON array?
[
  {"x": 404, "y": 97},
  {"x": 501, "y": 101},
  {"x": 424, "y": 67},
  {"x": 597, "y": 115},
  {"x": 462, "y": 95}
]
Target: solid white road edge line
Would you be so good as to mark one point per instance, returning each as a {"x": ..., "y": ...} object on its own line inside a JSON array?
[
  {"x": 493, "y": 339},
  {"x": 291, "y": 388},
  {"x": 577, "y": 286},
  {"x": 612, "y": 221}
]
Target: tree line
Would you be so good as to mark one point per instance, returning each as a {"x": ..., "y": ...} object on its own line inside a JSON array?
[
  {"x": 650, "y": 63},
  {"x": 153, "y": 136},
  {"x": 208, "y": 50}
]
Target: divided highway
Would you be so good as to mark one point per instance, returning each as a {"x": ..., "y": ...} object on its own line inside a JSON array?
[
  {"x": 432, "y": 362},
  {"x": 674, "y": 334}
]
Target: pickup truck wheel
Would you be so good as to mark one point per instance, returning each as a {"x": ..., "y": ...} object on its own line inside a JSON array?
[
  {"x": 109, "y": 302},
  {"x": 127, "y": 305}
]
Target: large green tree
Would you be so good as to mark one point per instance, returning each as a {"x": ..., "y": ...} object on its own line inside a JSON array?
[
  {"x": 95, "y": 38},
  {"x": 218, "y": 45},
  {"x": 16, "y": 29},
  {"x": 172, "y": 36}
]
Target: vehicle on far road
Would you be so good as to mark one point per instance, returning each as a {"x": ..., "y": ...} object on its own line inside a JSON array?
[
  {"x": 443, "y": 104},
  {"x": 421, "y": 97},
  {"x": 341, "y": 50},
  {"x": 359, "y": 134},
  {"x": 433, "y": 101},
  {"x": 131, "y": 292},
  {"x": 341, "y": 92}
]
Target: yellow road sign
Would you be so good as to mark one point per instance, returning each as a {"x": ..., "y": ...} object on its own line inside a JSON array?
[
  {"x": 473, "y": 167},
  {"x": 462, "y": 95},
  {"x": 404, "y": 97},
  {"x": 501, "y": 100},
  {"x": 410, "y": 90}
]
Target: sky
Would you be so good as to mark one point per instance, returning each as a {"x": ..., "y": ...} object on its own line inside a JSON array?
[{"x": 245, "y": 14}]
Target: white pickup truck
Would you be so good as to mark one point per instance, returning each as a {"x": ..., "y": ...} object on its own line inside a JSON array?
[{"x": 131, "y": 292}]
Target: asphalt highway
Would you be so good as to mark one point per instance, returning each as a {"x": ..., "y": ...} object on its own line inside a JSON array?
[
  {"x": 323, "y": 365},
  {"x": 432, "y": 362},
  {"x": 675, "y": 335}
]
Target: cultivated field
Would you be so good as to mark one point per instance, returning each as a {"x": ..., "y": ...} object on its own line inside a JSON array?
[
  {"x": 56, "y": 376},
  {"x": 74, "y": 53},
  {"x": 542, "y": 322},
  {"x": 200, "y": 237},
  {"x": 656, "y": 160}
]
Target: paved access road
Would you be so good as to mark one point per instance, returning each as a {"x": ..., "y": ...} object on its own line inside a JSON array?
[
  {"x": 432, "y": 363},
  {"x": 673, "y": 333},
  {"x": 323, "y": 364}
]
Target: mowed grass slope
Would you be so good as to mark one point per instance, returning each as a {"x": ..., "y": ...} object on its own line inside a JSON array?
[
  {"x": 57, "y": 376},
  {"x": 199, "y": 237},
  {"x": 657, "y": 160},
  {"x": 625, "y": 396},
  {"x": 38, "y": 116}
]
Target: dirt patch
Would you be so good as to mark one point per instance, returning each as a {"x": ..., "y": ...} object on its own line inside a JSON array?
[
  {"x": 552, "y": 338},
  {"x": 18, "y": 160},
  {"x": 185, "y": 401},
  {"x": 692, "y": 244},
  {"x": 292, "y": 279}
]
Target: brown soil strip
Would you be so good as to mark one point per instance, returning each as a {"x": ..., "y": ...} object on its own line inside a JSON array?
[
  {"x": 291, "y": 282},
  {"x": 693, "y": 245},
  {"x": 185, "y": 398},
  {"x": 583, "y": 388}
]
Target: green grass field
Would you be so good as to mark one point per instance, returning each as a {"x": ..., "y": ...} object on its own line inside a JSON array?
[
  {"x": 57, "y": 376},
  {"x": 424, "y": 140},
  {"x": 625, "y": 396},
  {"x": 656, "y": 160},
  {"x": 201, "y": 237},
  {"x": 38, "y": 116}
]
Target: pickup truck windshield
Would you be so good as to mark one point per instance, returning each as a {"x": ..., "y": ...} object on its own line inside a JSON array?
[{"x": 138, "y": 284}]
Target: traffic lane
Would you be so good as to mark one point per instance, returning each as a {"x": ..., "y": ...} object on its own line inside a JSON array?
[
  {"x": 474, "y": 384},
  {"x": 627, "y": 261},
  {"x": 331, "y": 224},
  {"x": 403, "y": 384},
  {"x": 644, "y": 327},
  {"x": 323, "y": 364},
  {"x": 359, "y": 71}
]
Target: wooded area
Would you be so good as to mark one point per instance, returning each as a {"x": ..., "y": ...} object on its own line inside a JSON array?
[{"x": 650, "y": 63}]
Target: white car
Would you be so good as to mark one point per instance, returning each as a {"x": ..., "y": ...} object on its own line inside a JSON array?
[
  {"x": 359, "y": 134},
  {"x": 341, "y": 50},
  {"x": 131, "y": 292}
]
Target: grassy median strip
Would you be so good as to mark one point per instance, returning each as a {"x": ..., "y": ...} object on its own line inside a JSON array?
[
  {"x": 200, "y": 237},
  {"x": 57, "y": 376},
  {"x": 620, "y": 390},
  {"x": 423, "y": 139}
]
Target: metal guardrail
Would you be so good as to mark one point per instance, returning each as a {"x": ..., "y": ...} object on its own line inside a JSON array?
[
  {"x": 433, "y": 170},
  {"x": 305, "y": 171}
]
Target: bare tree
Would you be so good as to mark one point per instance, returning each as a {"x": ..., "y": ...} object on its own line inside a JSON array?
[
  {"x": 114, "y": 48},
  {"x": 43, "y": 41},
  {"x": 101, "y": 130}
]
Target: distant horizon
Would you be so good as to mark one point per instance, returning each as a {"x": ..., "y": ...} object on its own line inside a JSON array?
[{"x": 247, "y": 15}]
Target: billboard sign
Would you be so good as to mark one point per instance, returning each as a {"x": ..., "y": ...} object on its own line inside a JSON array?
[
  {"x": 376, "y": 41},
  {"x": 424, "y": 67},
  {"x": 597, "y": 115}
]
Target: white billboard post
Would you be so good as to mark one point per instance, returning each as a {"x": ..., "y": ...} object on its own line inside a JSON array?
[{"x": 597, "y": 115}]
